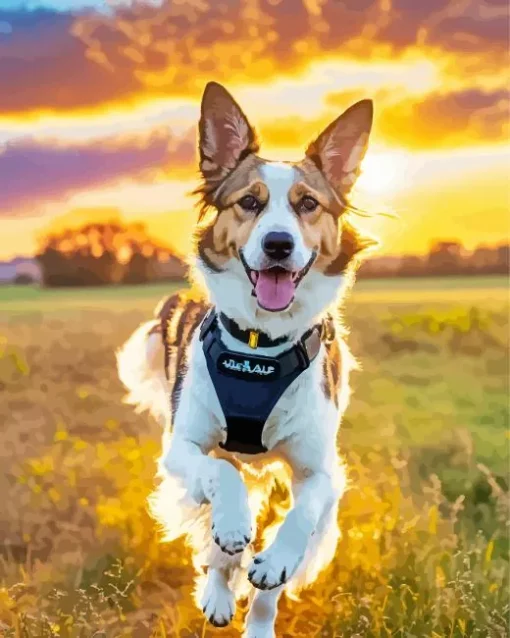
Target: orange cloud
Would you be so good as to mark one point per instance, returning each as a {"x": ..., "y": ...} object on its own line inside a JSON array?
[
  {"x": 147, "y": 51},
  {"x": 79, "y": 85},
  {"x": 437, "y": 120},
  {"x": 292, "y": 131},
  {"x": 443, "y": 120}
]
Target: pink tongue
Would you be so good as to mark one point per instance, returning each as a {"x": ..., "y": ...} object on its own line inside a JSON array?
[{"x": 274, "y": 289}]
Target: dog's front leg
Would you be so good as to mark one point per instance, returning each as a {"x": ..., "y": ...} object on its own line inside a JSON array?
[
  {"x": 214, "y": 481},
  {"x": 218, "y": 483},
  {"x": 314, "y": 494}
]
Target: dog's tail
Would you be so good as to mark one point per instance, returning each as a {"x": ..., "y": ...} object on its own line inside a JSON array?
[
  {"x": 153, "y": 359},
  {"x": 140, "y": 365}
]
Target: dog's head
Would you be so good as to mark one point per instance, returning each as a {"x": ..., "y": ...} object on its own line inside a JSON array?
[{"x": 275, "y": 231}]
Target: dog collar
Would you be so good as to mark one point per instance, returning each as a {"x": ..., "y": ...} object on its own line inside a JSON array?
[{"x": 252, "y": 338}]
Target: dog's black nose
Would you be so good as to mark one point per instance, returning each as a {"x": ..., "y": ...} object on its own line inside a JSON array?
[{"x": 278, "y": 245}]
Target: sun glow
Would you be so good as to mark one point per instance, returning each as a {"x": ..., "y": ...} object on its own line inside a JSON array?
[{"x": 383, "y": 173}]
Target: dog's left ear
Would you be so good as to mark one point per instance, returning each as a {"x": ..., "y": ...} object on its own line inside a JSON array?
[
  {"x": 339, "y": 150},
  {"x": 226, "y": 136}
]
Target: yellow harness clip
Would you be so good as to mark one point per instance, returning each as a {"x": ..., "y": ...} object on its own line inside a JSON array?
[{"x": 254, "y": 339}]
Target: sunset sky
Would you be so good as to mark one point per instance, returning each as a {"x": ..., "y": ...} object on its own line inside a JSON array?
[{"x": 99, "y": 103}]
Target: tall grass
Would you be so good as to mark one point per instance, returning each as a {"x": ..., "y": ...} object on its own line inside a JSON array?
[{"x": 424, "y": 550}]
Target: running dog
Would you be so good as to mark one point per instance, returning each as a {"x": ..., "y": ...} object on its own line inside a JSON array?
[{"x": 251, "y": 378}]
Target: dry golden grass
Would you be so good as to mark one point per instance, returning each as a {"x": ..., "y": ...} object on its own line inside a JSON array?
[{"x": 425, "y": 545}]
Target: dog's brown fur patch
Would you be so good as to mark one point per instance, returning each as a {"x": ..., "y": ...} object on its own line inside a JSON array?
[
  {"x": 326, "y": 230},
  {"x": 205, "y": 249},
  {"x": 246, "y": 174},
  {"x": 320, "y": 188},
  {"x": 331, "y": 371},
  {"x": 179, "y": 316},
  {"x": 219, "y": 238},
  {"x": 352, "y": 243}
]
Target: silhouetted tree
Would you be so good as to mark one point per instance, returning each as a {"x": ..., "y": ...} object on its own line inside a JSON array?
[
  {"x": 105, "y": 253},
  {"x": 445, "y": 258}
]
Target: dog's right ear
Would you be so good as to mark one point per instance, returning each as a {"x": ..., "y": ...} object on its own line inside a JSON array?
[
  {"x": 226, "y": 136},
  {"x": 340, "y": 149}
]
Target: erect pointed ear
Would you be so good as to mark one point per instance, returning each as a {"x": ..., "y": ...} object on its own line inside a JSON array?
[
  {"x": 339, "y": 150},
  {"x": 226, "y": 136}
]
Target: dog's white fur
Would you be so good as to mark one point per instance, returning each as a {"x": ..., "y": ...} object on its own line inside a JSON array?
[
  {"x": 204, "y": 487},
  {"x": 277, "y": 217},
  {"x": 198, "y": 489}
]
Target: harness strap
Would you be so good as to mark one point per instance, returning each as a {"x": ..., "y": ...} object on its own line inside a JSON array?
[
  {"x": 247, "y": 393},
  {"x": 249, "y": 386}
]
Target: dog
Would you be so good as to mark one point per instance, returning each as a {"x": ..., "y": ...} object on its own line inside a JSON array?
[{"x": 250, "y": 377}]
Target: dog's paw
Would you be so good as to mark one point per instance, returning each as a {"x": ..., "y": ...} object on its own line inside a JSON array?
[
  {"x": 274, "y": 566},
  {"x": 231, "y": 531},
  {"x": 218, "y": 604}
]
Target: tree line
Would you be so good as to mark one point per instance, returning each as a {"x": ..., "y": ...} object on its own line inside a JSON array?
[
  {"x": 120, "y": 253},
  {"x": 106, "y": 253},
  {"x": 444, "y": 258}
]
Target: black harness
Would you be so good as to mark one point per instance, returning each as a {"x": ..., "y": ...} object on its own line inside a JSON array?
[{"x": 249, "y": 386}]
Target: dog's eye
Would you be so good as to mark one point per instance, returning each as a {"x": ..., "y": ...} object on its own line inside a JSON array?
[
  {"x": 250, "y": 203},
  {"x": 307, "y": 204}
]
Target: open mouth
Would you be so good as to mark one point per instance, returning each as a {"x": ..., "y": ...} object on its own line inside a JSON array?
[{"x": 275, "y": 287}]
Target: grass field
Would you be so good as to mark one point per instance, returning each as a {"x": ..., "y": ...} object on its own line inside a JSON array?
[{"x": 425, "y": 522}]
